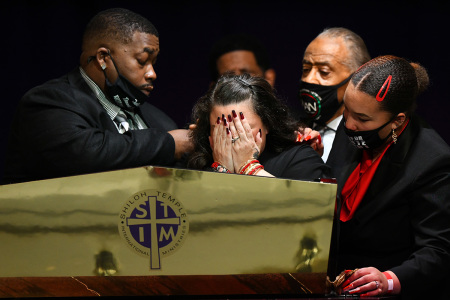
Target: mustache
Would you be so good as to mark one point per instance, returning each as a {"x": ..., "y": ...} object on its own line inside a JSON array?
[{"x": 147, "y": 85}]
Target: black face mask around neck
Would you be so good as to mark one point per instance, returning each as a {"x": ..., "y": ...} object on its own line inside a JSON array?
[
  {"x": 122, "y": 92},
  {"x": 320, "y": 102}
]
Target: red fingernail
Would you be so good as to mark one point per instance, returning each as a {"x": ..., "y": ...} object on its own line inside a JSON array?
[
  {"x": 320, "y": 139},
  {"x": 234, "y": 113},
  {"x": 242, "y": 115},
  {"x": 229, "y": 118},
  {"x": 307, "y": 138},
  {"x": 218, "y": 120},
  {"x": 346, "y": 283},
  {"x": 354, "y": 291},
  {"x": 225, "y": 122},
  {"x": 299, "y": 137},
  {"x": 228, "y": 130}
]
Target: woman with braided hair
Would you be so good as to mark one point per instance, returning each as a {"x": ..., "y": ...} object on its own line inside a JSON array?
[
  {"x": 242, "y": 127},
  {"x": 392, "y": 222}
]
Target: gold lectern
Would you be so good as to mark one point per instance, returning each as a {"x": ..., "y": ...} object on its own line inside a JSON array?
[{"x": 155, "y": 231}]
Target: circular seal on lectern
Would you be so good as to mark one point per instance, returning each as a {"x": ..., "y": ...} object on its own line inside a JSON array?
[{"x": 154, "y": 224}]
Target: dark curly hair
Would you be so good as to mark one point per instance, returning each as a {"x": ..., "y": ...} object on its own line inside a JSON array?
[{"x": 231, "y": 89}]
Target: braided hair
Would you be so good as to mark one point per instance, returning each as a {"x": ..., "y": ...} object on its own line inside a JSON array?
[{"x": 395, "y": 82}]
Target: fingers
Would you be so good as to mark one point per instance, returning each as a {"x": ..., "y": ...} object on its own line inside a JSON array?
[
  {"x": 311, "y": 137},
  {"x": 216, "y": 137},
  {"x": 244, "y": 146},
  {"x": 221, "y": 143},
  {"x": 304, "y": 134},
  {"x": 365, "y": 281},
  {"x": 234, "y": 133},
  {"x": 243, "y": 129}
]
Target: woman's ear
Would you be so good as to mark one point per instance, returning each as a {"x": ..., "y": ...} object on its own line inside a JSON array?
[
  {"x": 270, "y": 76},
  {"x": 399, "y": 120}
]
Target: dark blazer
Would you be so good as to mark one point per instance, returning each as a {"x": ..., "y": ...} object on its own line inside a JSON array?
[
  {"x": 61, "y": 129},
  {"x": 403, "y": 222},
  {"x": 299, "y": 162}
]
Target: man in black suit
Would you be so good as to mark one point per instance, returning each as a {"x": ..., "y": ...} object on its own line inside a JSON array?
[{"x": 96, "y": 118}]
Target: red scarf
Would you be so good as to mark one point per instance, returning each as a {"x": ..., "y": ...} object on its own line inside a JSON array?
[{"x": 358, "y": 182}]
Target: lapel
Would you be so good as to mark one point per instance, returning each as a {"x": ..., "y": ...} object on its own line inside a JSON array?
[
  {"x": 144, "y": 112},
  {"x": 87, "y": 102},
  {"x": 385, "y": 179},
  {"x": 344, "y": 157}
]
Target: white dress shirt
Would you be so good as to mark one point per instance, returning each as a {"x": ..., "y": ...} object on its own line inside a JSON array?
[{"x": 328, "y": 133}]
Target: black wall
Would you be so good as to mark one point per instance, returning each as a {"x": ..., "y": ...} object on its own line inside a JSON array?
[{"x": 41, "y": 40}]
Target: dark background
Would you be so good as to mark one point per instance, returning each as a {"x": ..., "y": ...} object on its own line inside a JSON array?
[{"x": 41, "y": 40}]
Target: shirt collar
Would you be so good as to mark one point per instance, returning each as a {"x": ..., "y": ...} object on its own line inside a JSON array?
[
  {"x": 110, "y": 108},
  {"x": 335, "y": 123}
]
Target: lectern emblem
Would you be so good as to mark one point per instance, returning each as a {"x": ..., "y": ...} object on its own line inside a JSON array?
[{"x": 154, "y": 224}]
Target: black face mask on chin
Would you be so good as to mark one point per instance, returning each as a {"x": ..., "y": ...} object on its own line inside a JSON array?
[
  {"x": 320, "y": 102},
  {"x": 122, "y": 92}
]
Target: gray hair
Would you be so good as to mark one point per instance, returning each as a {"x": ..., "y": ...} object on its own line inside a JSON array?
[{"x": 359, "y": 54}]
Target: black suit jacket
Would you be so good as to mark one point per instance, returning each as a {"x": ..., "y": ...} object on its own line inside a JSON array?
[
  {"x": 61, "y": 129},
  {"x": 299, "y": 162},
  {"x": 403, "y": 222}
]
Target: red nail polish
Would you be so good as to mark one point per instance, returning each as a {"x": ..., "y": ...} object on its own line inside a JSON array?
[
  {"x": 225, "y": 122},
  {"x": 234, "y": 113},
  {"x": 320, "y": 139},
  {"x": 242, "y": 115},
  {"x": 228, "y": 131},
  {"x": 230, "y": 119},
  {"x": 299, "y": 137},
  {"x": 218, "y": 120},
  {"x": 307, "y": 138}
]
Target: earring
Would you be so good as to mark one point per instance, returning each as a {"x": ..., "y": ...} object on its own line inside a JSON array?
[
  {"x": 394, "y": 136},
  {"x": 103, "y": 66}
]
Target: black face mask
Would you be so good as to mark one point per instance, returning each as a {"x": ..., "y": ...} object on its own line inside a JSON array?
[
  {"x": 320, "y": 102},
  {"x": 369, "y": 139},
  {"x": 122, "y": 92}
]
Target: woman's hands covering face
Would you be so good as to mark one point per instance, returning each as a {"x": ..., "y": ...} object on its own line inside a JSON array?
[{"x": 233, "y": 142}]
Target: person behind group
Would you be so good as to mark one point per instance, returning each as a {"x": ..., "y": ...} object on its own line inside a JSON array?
[
  {"x": 97, "y": 118},
  {"x": 393, "y": 171},
  {"x": 240, "y": 53},
  {"x": 328, "y": 63},
  {"x": 242, "y": 127}
]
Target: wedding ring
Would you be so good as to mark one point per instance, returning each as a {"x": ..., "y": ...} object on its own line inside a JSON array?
[
  {"x": 376, "y": 282},
  {"x": 234, "y": 139}
]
